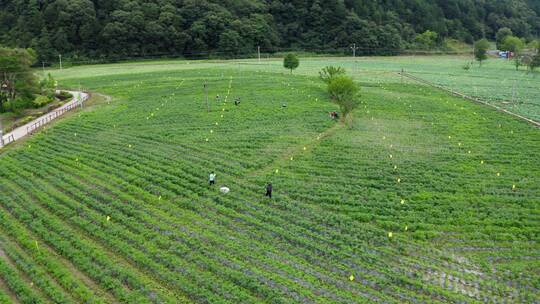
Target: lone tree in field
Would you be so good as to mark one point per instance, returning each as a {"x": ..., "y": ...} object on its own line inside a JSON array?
[
  {"x": 480, "y": 50},
  {"x": 328, "y": 73},
  {"x": 515, "y": 45},
  {"x": 344, "y": 92},
  {"x": 291, "y": 62}
]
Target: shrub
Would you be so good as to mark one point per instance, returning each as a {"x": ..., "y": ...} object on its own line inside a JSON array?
[
  {"x": 344, "y": 91},
  {"x": 41, "y": 101},
  {"x": 328, "y": 73},
  {"x": 291, "y": 62},
  {"x": 64, "y": 95}
]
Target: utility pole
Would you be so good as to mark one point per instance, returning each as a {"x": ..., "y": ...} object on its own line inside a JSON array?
[
  {"x": 354, "y": 48},
  {"x": 259, "y": 52},
  {"x": 1, "y": 135},
  {"x": 206, "y": 91},
  {"x": 60, "y": 56},
  {"x": 43, "y": 67},
  {"x": 514, "y": 94}
]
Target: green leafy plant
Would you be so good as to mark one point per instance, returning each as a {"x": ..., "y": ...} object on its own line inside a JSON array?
[
  {"x": 344, "y": 92},
  {"x": 480, "y": 50},
  {"x": 291, "y": 62},
  {"x": 327, "y": 74}
]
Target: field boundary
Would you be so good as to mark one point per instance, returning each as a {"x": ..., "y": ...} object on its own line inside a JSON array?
[
  {"x": 464, "y": 96},
  {"x": 77, "y": 101}
]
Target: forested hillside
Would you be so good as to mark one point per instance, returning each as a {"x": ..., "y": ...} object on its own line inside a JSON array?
[{"x": 123, "y": 28}]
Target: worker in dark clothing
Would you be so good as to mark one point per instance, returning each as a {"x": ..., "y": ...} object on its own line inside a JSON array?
[
  {"x": 237, "y": 101},
  {"x": 269, "y": 190}
]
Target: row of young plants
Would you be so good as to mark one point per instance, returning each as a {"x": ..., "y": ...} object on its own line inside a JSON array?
[
  {"x": 51, "y": 230},
  {"x": 17, "y": 284},
  {"x": 339, "y": 187},
  {"x": 151, "y": 166}
]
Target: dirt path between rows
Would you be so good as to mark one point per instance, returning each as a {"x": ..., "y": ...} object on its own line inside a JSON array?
[{"x": 292, "y": 152}]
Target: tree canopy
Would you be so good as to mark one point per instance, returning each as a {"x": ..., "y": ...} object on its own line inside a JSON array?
[
  {"x": 291, "y": 62},
  {"x": 480, "y": 50},
  {"x": 327, "y": 74},
  {"x": 83, "y": 29},
  {"x": 18, "y": 83},
  {"x": 344, "y": 92}
]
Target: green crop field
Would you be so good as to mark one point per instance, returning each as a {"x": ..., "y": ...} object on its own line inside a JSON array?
[{"x": 426, "y": 198}]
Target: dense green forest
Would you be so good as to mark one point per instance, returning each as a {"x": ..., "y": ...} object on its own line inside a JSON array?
[{"x": 81, "y": 29}]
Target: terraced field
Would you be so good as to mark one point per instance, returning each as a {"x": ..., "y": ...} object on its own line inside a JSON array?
[{"x": 426, "y": 199}]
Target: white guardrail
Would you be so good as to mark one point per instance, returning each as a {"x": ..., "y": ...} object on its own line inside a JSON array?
[{"x": 77, "y": 101}]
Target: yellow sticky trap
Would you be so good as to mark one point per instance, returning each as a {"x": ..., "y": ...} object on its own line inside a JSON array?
[
  {"x": 292, "y": 158},
  {"x": 37, "y": 246},
  {"x": 211, "y": 131},
  {"x": 223, "y": 110},
  {"x": 395, "y": 167},
  {"x": 406, "y": 228},
  {"x": 513, "y": 187},
  {"x": 221, "y": 115},
  {"x": 390, "y": 234},
  {"x": 75, "y": 134},
  {"x": 159, "y": 198},
  {"x": 459, "y": 144},
  {"x": 399, "y": 180},
  {"x": 351, "y": 278},
  {"x": 498, "y": 174},
  {"x": 449, "y": 137},
  {"x": 108, "y": 218},
  {"x": 207, "y": 139},
  {"x": 391, "y": 156},
  {"x": 469, "y": 152},
  {"x": 391, "y": 146},
  {"x": 277, "y": 171},
  {"x": 384, "y": 137},
  {"x": 217, "y": 123},
  {"x": 129, "y": 145},
  {"x": 402, "y": 201},
  {"x": 482, "y": 162},
  {"x": 305, "y": 148}
]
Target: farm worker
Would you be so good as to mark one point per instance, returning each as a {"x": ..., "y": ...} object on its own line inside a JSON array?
[
  {"x": 212, "y": 178},
  {"x": 237, "y": 101},
  {"x": 269, "y": 190}
]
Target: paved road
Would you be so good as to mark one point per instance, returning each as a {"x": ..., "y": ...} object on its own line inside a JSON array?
[{"x": 22, "y": 131}]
